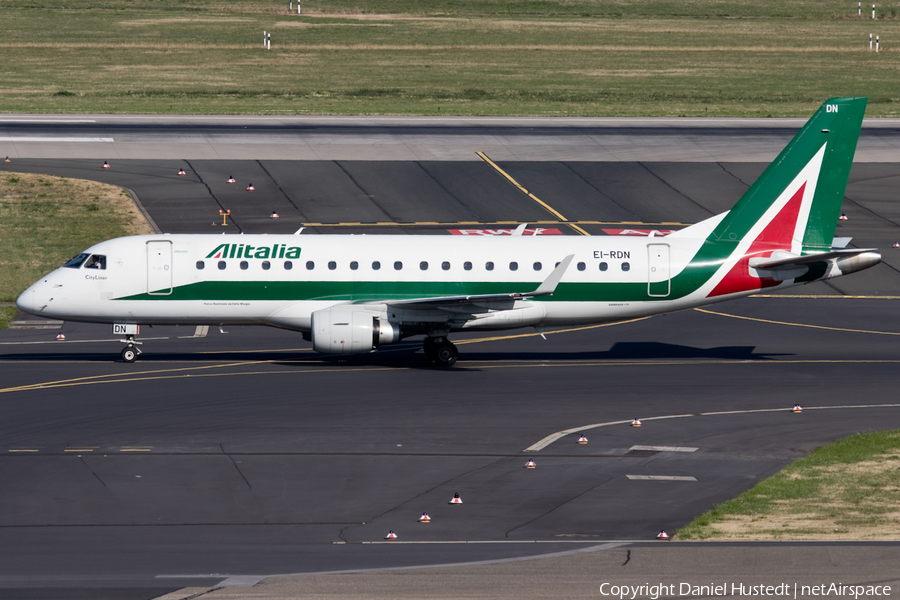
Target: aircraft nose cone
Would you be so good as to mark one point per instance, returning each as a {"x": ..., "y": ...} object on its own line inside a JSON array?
[{"x": 25, "y": 302}]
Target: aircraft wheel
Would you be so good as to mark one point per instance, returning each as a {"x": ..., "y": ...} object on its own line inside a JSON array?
[
  {"x": 428, "y": 346},
  {"x": 129, "y": 354},
  {"x": 445, "y": 354}
]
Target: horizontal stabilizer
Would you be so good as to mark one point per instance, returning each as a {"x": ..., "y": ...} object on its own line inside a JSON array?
[{"x": 794, "y": 262}]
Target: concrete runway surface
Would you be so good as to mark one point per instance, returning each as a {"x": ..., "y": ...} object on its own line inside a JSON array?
[{"x": 221, "y": 458}]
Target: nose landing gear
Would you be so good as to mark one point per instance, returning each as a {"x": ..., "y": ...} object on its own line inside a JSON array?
[
  {"x": 131, "y": 351},
  {"x": 440, "y": 351}
]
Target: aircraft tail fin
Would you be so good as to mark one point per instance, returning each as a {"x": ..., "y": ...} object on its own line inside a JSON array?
[{"x": 795, "y": 203}]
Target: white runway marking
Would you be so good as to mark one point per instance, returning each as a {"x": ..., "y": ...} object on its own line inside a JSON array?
[
  {"x": 47, "y": 121},
  {"x": 540, "y": 445},
  {"x": 661, "y": 477},
  {"x": 32, "y": 138},
  {"x": 665, "y": 448}
]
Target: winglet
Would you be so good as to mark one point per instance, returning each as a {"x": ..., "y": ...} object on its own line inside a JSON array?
[{"x": 549, "y": 286}]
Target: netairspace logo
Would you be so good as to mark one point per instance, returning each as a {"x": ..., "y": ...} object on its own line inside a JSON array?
[{"x": 782, "y": 590}]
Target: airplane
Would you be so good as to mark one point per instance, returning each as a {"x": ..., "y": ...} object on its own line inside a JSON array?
[{"x": 351, "y": 294}]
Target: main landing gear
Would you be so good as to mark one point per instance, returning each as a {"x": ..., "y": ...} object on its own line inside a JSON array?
[
  {"x": 440, "y": 351},
  {"x": 131, "y": 351}
]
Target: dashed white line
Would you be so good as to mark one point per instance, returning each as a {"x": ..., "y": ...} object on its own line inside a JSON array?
[
  {"x": 661, "y": 477},
  {"x": 30, "y": 138},
  {"x": 665, "y": 448}
]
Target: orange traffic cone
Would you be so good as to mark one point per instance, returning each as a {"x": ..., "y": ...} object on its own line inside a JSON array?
[
  {"x": 105, "y": 165},
  {"x": 662, "y": 535},
  {"x": 797, "y": 409},
  {"x": 230, "y": 179},
  {"x": 391, "y": 535},
  {"x": 636, "y": 422},
  {"x": 456, "y": 499},
  {"x": 582, "y": 439},
  {"x": 181, "y": 171},
  {"x": 530, "y": 464},
  {"x": 61, "y": 337},
  {"x": 250, "y": 188},
  {"x": 424, "y": 518}
]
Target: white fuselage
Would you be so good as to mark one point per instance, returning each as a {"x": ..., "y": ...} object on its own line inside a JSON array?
[{"x": 281, "y": 280}]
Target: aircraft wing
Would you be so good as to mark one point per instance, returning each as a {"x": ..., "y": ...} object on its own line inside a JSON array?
[{"x": 545, "y": 289}]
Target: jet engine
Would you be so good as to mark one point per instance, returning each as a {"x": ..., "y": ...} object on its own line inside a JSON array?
[{"x": 351, "y": 330}]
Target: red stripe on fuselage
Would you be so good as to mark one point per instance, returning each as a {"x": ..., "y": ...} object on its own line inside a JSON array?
[{"x": 777, "y": 235}]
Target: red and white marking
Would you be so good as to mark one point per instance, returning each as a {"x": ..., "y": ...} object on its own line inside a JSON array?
[{"x": 489, "y": 232}]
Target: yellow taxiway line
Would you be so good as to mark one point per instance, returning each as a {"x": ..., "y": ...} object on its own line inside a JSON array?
[{"x": 546, "y": 206}]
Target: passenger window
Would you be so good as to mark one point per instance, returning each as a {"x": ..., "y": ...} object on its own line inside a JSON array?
[
  {"x": 200, "y": 265},
  {"x": 77, "y": 261},
  {"x": 288, "y": 265},
  {"x": 310, "y": 265},
  {"x": 221, "y": 265},
  {"x": 354, "y": 265},
  {"x": 537, "y": 266},
  {"x": 445, "y": 265},
  {"x": 332, "y": 265},
  {"x": 581, "y": 266},
  {"x": 97, "y": 261},
  {"x": 266, "y": 265},
  {"x": 626, "y": 266},
  {"x": 467, "y": 266},
  {"x": 489, "y": 266},
  {"x": 398, "y": 265},
  {"x": 376, "y": 265},
  {"x": 244, "y": 265},
  {"x": 513, "y": 266},
  {"x": 603, "y": 266},
  {"x": 423, "y": 265}
]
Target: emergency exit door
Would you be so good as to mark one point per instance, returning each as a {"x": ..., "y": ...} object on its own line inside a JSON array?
[
  {"x": 159, "y": 267},
  {"x": 658, "y": 282}
]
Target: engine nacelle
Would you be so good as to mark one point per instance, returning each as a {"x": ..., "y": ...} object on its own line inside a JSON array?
[{"x": 351, "y": 330}]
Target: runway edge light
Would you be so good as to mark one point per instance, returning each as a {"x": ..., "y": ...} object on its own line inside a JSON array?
[
  {"x": 662, "y": 535},
  {"x": 636, "y": 422},
  {"x": 424, "y": 518},
  {"x": 797, "y": 409},
  {"x": 391, "y": 535},
  {"x": 582, "y": 439},
  {"x": 61, "y": 337},
  {"x": 456, "y": 499},
  {"x": 530, "y": 464}
]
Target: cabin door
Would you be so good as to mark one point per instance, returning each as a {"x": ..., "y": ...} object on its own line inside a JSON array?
[
  {"x": 159, "y": 267},
  {"x": 658, "y": 282}
]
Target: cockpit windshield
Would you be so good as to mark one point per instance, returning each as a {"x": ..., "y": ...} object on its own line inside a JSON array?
[
  {"x": 96, "y": 261},
  {"x": 89, "y": 261},
  {"x": 76, "y": 262}
]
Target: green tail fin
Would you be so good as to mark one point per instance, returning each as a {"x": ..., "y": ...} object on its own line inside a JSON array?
[{"x": 820, "y": 155}]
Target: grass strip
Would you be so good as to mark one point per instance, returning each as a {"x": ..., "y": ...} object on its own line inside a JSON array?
[
  {"x": 45, "y": 220},
  {"x": 849, "y": 489},
  {"x": 447, "y": 57}
]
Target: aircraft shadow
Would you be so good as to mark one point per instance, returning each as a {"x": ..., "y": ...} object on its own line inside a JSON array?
[{"x": 409, "y": 355}]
